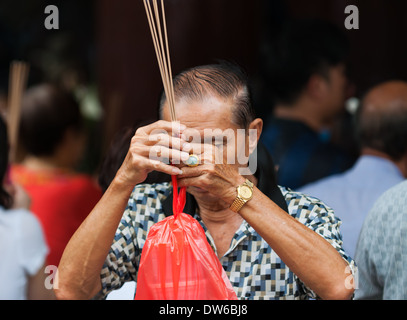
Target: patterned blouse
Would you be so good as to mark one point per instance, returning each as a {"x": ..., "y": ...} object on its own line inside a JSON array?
[{"x": 254, "y": 269}]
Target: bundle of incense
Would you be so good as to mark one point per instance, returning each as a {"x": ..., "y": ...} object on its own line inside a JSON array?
[
  {"x": 17, "y": 82},
  {"x": 159, "y": 34}
]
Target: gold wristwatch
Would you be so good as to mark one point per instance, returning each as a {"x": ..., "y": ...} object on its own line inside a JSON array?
[{"x": 244, "y": 194}]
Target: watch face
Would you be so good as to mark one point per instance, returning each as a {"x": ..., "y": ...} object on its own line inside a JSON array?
[{"x": 245, "y": 192}]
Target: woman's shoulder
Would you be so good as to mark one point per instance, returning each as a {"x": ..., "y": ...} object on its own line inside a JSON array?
[{"x": 19, "y": 219}]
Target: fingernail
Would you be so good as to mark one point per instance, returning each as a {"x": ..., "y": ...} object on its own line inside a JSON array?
[
  {"x": 186, "y": 147},
  {"x": 176, "y": 171},
  {"x": 184, "y": 156}
]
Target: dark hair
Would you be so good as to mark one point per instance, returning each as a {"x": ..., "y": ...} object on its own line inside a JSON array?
[
  {"x": 224, "y": 79},
  {"x": 302, "y": 48},
  {"x": 5, "y": 199},
  {"x": 384, "y": 131},
  {"x": 115, "y": 156},
  {"x": 117, "y": 153},
  {"x": 47, "y": 112}
]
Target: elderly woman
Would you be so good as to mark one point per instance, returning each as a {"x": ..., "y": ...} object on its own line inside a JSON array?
[{"x": 273, "y": 243}]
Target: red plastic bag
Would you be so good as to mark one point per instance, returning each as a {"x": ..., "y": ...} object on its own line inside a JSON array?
[{"x": 177, "y": 262}]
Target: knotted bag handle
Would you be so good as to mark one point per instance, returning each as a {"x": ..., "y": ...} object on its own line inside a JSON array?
[{"x": 179, "y": 198}]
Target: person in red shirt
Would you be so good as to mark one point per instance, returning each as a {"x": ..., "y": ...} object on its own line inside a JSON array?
[{"x": 52, "y": 136}]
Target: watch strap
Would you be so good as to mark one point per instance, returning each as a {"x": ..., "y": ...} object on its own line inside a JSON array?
[{"x": 238, "y": 203}]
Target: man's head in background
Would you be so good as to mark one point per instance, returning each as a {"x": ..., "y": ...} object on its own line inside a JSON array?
[
  {"x": 306, "y": 70},
  {"x": 381, "y": 123}
]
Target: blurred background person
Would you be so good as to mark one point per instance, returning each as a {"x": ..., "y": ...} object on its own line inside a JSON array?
[
  {"x": 23, "y": 249},
  {"x": 382, "y": 131},
  {"x": 306, "y": 70},
  {"x": 51, "y": 134},
  {"x": 381, "y": 253}
]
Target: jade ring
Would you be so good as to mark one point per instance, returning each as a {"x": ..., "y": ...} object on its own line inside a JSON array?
[{"x": 192, "y": 160}]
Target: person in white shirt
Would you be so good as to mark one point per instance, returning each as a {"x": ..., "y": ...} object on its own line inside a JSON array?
[{"x": 22, "y": 245}]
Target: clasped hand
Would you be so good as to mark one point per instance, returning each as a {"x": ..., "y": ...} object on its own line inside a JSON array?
[{"x": 164, "y": 146}]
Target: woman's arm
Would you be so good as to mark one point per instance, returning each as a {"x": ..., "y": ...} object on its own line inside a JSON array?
[
  {"x": 312, "y": 258},
  {"x": 78, "y": 275}
]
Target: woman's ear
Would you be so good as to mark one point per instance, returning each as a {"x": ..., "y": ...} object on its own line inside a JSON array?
[{"x": 254, "y": 136}]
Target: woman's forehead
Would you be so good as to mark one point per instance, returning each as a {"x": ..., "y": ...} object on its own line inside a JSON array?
[{"x": 209, "y": 113}]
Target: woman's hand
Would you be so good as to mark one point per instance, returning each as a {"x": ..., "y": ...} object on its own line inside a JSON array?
[
  {"x": 153, "y": 147},
  {"x": 213, "y": 174}
]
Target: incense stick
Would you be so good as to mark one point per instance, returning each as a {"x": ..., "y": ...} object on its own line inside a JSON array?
[
  {"x": 17, "y": 82},
  {"x": 159, "y": 36}
]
